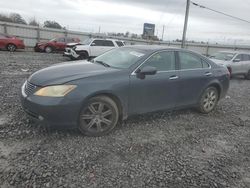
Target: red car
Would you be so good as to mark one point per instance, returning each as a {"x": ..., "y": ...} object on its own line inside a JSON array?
[
  {"x": 57, "y": 44},
  {"x": 10, "y": 43}
]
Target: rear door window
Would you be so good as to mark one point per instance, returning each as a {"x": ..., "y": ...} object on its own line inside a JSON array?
[
  {"x": 189, "y": 61},
  {"x": 108, "y": 43}
]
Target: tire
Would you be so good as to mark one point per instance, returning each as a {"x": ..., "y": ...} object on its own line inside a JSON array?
[
  {"x": 48, "y": 49},
  {"x": 83, "y": 55},
  {"x": 99, "y": 116},
  {"x": 11, "y": 47},
  {"x": 208, "y": 100},
  {"x": 248, "y": 75}
]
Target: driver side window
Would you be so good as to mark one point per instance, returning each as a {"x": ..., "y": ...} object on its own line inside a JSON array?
[{"x": 162, "y": 61}]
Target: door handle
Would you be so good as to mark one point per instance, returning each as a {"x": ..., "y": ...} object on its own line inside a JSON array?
[
  {"x": 173, "y": 77},
  {"x": 208, "y": 74}
]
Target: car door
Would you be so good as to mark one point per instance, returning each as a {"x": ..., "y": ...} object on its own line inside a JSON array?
[
  {"x": 154, "y": 92},
  {"x": 245, "y": 65},
  {"x": 237, "y": 64},
  {"x": 107, "y": 45},
  {"x": 194, "y": 74},
  {"x": 96, "y": 47},
  {"x": 60, "y": 43}
]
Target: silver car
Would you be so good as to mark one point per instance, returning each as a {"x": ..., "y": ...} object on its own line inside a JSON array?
[{"x": 238, "y": 63}]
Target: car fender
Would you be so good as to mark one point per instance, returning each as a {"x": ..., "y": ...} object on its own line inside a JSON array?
[{"x": 121, "y": 104}]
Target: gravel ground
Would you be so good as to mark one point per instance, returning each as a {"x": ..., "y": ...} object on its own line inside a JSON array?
[{"x": 165, "y": 149}]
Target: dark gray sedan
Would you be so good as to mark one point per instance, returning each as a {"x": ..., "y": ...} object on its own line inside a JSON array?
[{"x": 93, "y": 96}]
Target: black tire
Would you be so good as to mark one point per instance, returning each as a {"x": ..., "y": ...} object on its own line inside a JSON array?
[
  {"x": 11, "y": 47},
  {"x": 48, "y": 49},
  {"x": 99, "y": 116},
  {"x": 248, "y": 75},
  {"x": 83, "y": 55},
  {"x": 208, "y": 100}
]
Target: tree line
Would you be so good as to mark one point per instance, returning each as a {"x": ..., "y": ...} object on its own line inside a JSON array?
[{"x": 17, "y": 18}]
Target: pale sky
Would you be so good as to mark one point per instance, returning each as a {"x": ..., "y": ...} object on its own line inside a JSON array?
[{"x": 129, "y": 15}]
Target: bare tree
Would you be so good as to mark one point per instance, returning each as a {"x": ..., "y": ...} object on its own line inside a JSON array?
[{"x": 34, "y": 22}]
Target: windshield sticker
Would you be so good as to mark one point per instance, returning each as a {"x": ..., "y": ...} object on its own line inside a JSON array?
[{"x": 137, "y": 54}]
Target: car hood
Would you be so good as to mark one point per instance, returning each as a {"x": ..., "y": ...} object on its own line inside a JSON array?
[
  {"x": 65, "y": 72},
  {"x": 220, "y": 62},
  {"x": 73, "y": 43}
]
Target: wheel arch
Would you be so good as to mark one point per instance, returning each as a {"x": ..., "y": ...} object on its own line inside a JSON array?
[
  {"x": 10, "y": 43},
  {"x": 217, "y": 86},
  {"x": 115, "y": 98}
]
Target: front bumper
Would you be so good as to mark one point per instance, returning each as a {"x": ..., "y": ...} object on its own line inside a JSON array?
[
  {"x": 52, "y": 111},
  {"x": 69, "y": 52}
]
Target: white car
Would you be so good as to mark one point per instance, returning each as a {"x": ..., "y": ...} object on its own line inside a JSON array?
[
  {"x": 91, "y": 48},
  {"x": 238, "y": 63}
]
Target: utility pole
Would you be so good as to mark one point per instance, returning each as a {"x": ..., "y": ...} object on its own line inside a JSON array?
[
  {"x": 163, "y": 30},
  {"x": 99, "y": 29},
  {"x": 185, "y": 24}
]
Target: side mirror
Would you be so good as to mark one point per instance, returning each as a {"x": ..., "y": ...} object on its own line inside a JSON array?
[
  {"x": 93, "y": 44},
  {"x": 236, "y": 60},
  {"x": 148, "y": 70}
]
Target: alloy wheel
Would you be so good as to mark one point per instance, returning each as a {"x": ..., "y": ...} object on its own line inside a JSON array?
[
  {"x": 210, "y": 100},
  {"x": 99, "y": 117}
]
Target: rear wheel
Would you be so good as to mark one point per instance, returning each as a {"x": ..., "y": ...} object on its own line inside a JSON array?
[
  {"x": 209, "y": 100},
  {"x": 48, "y": 49},
  {"x": 99, "y": 116},
  {"x": 11, "y": 47}
]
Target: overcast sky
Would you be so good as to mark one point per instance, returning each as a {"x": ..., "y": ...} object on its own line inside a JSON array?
[{"x": 129, "y": 15}]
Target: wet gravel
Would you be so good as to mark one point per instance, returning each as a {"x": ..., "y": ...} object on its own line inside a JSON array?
[{"x": 165, "y": 149}]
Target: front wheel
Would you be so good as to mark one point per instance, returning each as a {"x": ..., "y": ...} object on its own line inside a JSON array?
[
  {"x": 99, "y": 116},
  {"x": 48, "y": 49},
  {"x": 209, "y": 100},
  {"x": 11, "y": 47}
]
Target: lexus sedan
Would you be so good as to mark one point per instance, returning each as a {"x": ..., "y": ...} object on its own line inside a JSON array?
[{"x": 94, "y": 96}]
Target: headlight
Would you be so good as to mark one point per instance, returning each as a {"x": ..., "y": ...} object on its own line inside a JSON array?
[{"x": 55, "y": 91}]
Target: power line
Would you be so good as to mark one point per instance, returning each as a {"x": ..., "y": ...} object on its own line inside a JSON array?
[{"x": 219, "y": 12}]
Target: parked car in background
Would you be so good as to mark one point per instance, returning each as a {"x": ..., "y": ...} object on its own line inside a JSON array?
[
  {"x": 57, "y": 44},
  {"x": 10, "y": 43},
  {"x": 91, "y": 48},
  {"x": 94, "y": 95},
  {"x": 238, "y": 63}
]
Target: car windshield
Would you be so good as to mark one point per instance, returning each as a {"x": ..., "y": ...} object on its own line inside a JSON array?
[
  {"x": 223, "y": 56},
  {"x": 52, "y": 40},
  {"x": 121, "y": 58},
  {"x": 86, "y": 42}
]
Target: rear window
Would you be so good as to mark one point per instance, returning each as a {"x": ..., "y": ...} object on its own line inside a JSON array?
[{"x": 119, "y": 43}]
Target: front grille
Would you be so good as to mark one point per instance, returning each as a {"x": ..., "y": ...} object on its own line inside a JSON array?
[{"x": 29, "y": 88}]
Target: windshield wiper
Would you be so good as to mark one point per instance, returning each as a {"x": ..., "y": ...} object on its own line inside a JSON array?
[{"x": 102, "y": 63}]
